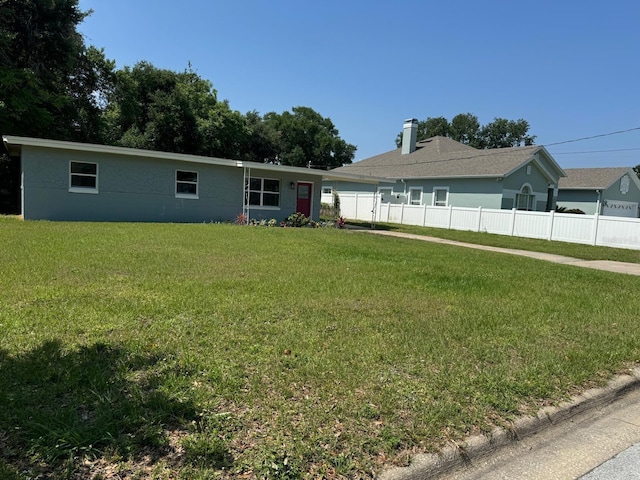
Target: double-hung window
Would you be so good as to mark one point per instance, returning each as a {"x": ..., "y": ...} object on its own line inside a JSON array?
[
  {"x": 83, "y": 177},
  {"x": 186, "y": 184},
  {"x": 440, "y": 196},
  {"x": 262, "y": 192},
  {"x": 415, "y": 196}
]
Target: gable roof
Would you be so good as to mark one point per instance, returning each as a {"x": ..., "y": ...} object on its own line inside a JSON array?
[
  {"x": 442, "y": 157},
  {"x": 594, "y": 178}
]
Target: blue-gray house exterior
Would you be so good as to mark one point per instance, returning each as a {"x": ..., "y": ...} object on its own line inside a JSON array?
[
  {"x": 439, "y": 171},
  {"x": 613, "y": 191},
  {"x": 88, "y": 182}
]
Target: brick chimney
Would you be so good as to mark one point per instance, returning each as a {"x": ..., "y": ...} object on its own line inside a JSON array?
[{"x": 409, "y": 134}]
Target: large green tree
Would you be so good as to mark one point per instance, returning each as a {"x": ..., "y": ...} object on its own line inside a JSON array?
[
  {"x": 159, "y": 109},
  {"x": 51, "y": 84},
  {"x": 465, "y": 128},
  {"x": 304, "y": 138}
]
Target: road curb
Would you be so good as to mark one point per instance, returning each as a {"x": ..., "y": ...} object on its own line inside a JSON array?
[{"x": 428, "y": 466}]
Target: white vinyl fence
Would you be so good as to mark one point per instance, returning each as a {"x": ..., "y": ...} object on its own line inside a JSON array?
[{"x": 565, "y": 227}]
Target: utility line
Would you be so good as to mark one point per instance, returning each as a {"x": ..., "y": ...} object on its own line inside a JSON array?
[
  {"x": 598, "y": 151},
  {"x": 593, "y": 136}
]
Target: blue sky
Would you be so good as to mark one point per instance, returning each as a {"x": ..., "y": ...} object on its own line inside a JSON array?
[{"x": 571, "y": 68}]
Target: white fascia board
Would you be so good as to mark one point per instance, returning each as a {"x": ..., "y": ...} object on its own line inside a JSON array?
[
  {"x": 632, "y": 175},
  {"x": 281, "y": 168},
  {"x": 552, "y": 161},
  {"x": 450, "y": 177},
  {"x": 537, "y": 162},
  {"x": 532, "y": 157},
  {"x": 353, "y": 177},
  {"x": 14, "y": 143}
]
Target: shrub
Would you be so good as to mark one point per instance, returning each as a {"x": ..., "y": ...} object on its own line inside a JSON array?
[
  {"x": 296, "y": 220},
  {"x": 560, "y": 209}
]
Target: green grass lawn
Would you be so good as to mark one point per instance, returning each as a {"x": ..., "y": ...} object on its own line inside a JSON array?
[
  {"x": 220, "y": 351},
  {"x": 577, "y": 250}
]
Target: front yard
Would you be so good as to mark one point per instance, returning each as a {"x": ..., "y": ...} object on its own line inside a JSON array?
[{"x": 221, "y": 351}]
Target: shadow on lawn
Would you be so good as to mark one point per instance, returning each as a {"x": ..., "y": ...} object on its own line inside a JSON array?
[{"x": 58, "y": 406}]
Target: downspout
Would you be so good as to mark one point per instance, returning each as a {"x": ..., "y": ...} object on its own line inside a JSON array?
[{"x": 246, "y": 180}]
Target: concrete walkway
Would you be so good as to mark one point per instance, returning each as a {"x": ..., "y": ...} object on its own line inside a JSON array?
[
  {"x": 618, "y": 267},
  {"x": 595, "y": 436}
]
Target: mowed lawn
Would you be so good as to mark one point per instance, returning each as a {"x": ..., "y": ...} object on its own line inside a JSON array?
[{"x": 221, "y": 351}]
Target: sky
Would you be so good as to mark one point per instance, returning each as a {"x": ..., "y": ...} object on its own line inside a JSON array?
[{"x": 571, "y": 68}]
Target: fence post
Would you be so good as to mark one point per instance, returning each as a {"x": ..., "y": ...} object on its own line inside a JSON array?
[
  {"x": 402, "y": 213},
  {"x": 513, "y": 221},
  {"x": 424, "y": 214},
  {"x": 552, "y": 216},
  {"x": 450, "y": 215},
  {"x": 479, "y": 219},
  {"x": 356, "y": 206},
  {"x": 596, "y": 218}
]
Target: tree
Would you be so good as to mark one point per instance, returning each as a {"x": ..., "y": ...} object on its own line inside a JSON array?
[
  {"x": 465, "y": 128},
  {"x": 50, "y": 81},
  {"x": 159, "y": 109},
  {"x": 431, "y": 127},
  {"x": 303, "y": 138},
  {"x": 637, "y": 170},
  {"x": 502, "y": 133}
]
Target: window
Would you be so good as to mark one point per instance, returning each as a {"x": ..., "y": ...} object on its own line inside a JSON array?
[
  {"x": 415, "y": 196},
  {"x": 528, "y": 169},
  {"x": 385, "y": 194},
  {"x": 440, "y": 196},
  {"x": 83, "y": 177},
  {"x": 263, "y": 192},
  {"x": 525, "y": 199},
  {"x": 186, "y": 184}
]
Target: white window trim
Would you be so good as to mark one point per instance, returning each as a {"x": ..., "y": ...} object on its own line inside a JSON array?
[
  {"x": 385, "y": 191},
  {"x": 433, "y": 197},
  {"x": 411, "y": 189},
  {"x": 531, "y": 198},
  {"x": 196, "y": 183},
  {"x": 262, "y": 191},
  {"x": 92, "y": 190}
]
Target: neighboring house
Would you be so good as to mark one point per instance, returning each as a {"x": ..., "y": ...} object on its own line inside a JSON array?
[
  {"x": 442, "y": 172},
  {"x": 608, "y": 191},
  {"x": 79, "y": 181}
]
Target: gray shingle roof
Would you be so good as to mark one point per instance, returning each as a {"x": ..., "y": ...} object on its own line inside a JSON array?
[
  {"x": 591, "y": 178},
  {"x": 443, "y": 157}
]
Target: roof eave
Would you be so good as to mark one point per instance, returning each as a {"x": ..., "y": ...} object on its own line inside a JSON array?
[{"x": 353, "y": 177}]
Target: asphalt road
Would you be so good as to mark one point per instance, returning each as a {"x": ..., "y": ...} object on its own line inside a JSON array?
[
  {"x": 588, "y": 447},
  {"x": 624, "y": 466}
]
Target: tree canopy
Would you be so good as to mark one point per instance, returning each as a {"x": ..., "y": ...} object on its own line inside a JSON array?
[
  {"x": 465, "y": 128},
  {"x": 53, "y": 86}
]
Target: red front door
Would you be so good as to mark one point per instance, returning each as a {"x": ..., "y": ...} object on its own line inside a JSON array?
[{"x": 303, "y": 199}]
